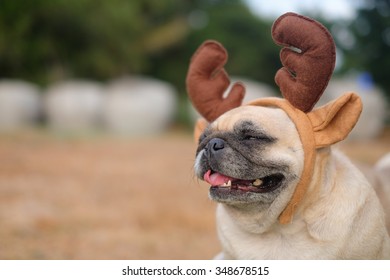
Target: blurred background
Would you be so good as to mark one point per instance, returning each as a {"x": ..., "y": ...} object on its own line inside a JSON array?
[{"x": 96, "y": 150}]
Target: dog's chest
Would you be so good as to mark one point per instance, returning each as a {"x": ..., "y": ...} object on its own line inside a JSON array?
[{"x": 280, "y": 242}]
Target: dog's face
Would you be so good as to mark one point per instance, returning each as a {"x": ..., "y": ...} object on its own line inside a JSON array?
[{"x": 250, "y": 156}]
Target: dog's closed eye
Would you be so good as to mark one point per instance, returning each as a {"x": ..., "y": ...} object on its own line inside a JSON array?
[
  {"x": 202, "y": 137},
  {"x": 248, "y": 131},
  {"x": 255, "y": 135},
  {"x": 252, "y": 137}
]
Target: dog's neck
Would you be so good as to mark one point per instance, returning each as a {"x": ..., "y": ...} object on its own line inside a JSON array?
[
  {"x": 257, "y": 219},
  {"x": 252, "y": 219}
]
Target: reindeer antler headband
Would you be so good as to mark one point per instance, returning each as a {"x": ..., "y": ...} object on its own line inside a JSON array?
[{"x": 308, "y": 58}]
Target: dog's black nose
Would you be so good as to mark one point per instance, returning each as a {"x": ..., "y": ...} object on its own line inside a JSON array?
[{"x": 215, "y": 145}]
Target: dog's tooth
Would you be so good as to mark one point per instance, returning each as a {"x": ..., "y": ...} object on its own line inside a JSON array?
[
  {"x": 257, "y": 182},
  {"x": 229, "y": 183}
]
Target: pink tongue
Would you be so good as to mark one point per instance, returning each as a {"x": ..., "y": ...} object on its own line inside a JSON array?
[{"x": 215, "y": 179}]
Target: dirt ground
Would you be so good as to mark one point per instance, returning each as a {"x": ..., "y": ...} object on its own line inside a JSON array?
[{"x": 109, "y": 198}]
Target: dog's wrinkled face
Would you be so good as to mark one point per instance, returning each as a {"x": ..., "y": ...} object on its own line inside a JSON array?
[{"x": 249, "y": 156}]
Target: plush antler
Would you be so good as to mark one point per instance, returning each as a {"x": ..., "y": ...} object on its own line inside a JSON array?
[
  {"x": 207, "y": 81},
  {"x": 308, "y": 58}
]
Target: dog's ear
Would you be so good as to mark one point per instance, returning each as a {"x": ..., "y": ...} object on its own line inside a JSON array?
[
  {"x": 200, "y": 126},
  {"x": 335, "y": 120}
]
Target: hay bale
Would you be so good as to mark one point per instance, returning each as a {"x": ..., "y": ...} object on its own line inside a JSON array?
[
  {"x": 74, "y": 106},
  {"x": 20, "y": 104},
  {"x": 139, "y": 106}
]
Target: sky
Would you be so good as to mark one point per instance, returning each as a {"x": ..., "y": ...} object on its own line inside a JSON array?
[{"x": 330, "y": 9}]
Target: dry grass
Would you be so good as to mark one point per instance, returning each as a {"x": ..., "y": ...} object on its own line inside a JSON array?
[
  {"x": 105, "y": 198},
  {"x": 102, "y": 199}
]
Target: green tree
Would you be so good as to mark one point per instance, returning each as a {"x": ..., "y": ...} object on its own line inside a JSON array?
[
  {"x": 369, "y": 49},
  {"x": 247, "y": 39},
  {"x": 48, "y": 40}
]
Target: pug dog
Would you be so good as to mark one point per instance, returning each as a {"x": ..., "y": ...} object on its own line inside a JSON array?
[
  {"x": 283, "y": 190},
  {"x": 253, "y": 157}
]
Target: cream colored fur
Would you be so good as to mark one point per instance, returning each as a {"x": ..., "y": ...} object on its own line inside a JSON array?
[{"x": 341, "y": 218}]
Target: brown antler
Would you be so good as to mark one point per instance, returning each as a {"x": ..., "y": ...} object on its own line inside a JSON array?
[
  {"x": 207, "y": 81},
  {"x": 308, "y": 58}
]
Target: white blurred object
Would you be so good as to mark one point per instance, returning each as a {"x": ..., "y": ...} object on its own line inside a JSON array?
[
  {"x": 19, "y": 104},
  {"x": 372, "y": 120},
  {"x": 139, "y": 106},
  {"x": 253, "y": 90},
  {"x": 74, "y": 106},
  {"x": 382, "y": 170},
  {"x": 383, "y": 166}
]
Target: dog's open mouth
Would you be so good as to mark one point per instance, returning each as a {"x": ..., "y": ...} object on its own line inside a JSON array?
[{"x": 259, "y": 185}]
